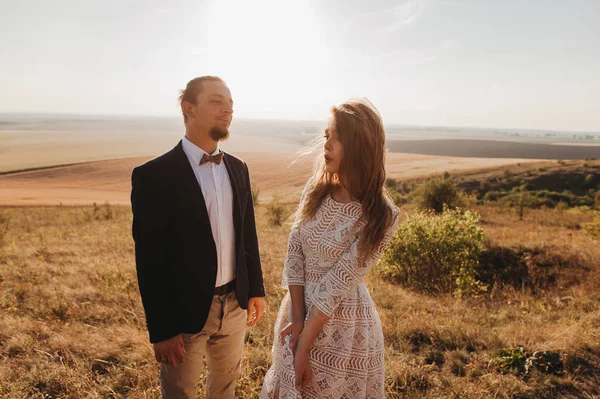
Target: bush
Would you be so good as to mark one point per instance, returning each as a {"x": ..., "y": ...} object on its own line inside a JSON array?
[
  {"x": 436, "y": 253},
  {"x": 276, "y": 212},
  {"x": 438, "y": 192},
  {"x": 597, "y": 200},
  {"x": 561, "y": 207},
  {"x": 390, "y": 182},
  {"x": 538, "y": 199},
  {"x": 493, "y": 196},
  {"x": 255, "y": 194},
  {"x": 406, "y": 187},
  {"x": 511, "y": 360},
  {"x": 519, "y": 361},
  {"x": 589, "y": 179},
  {"x": 548, "y": 362},
  {"x": 103, "y": 212},
  {"x": 484, "y": 187},
  {"x": 4, "y": 221},
  {"x": 593, "y": 227},
  {"x": 398, "y": 198},
  {"x": 396, "y": 191}
]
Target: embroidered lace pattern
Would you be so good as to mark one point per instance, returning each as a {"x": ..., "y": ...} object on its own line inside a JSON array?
[{"x": 347, "y": 358}]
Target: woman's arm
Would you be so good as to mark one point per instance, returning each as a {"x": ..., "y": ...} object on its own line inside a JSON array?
[
  {"x": 298, "y": 313},
  {"x": 312, "y": 328},
  {"x": 293, "y": 278},
  {"x": 297, "y": 296}
]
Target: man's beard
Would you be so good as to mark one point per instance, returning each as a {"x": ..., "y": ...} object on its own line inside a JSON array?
[{"x": 218, "y": 133}]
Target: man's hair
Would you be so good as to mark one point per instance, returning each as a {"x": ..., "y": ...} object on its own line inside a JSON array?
[{"x": 192, "y": 89}]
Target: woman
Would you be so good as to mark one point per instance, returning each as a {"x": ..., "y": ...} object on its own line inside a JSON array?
[{"x": 329, "y": 340}]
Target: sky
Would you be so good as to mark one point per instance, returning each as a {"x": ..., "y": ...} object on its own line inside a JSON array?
[{"x": 532, "y": 64}]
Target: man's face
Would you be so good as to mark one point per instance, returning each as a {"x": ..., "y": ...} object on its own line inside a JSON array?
[{"x": 213, "y": 110}]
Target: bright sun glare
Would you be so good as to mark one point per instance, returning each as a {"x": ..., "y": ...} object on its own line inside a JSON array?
[{"x": 265, "y": 49}]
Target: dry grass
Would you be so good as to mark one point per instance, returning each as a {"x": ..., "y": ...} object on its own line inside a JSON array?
[{"x": 72, "y": 326}]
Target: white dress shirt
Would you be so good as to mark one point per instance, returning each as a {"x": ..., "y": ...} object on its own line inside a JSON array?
[{"x": 216, "y": 189}]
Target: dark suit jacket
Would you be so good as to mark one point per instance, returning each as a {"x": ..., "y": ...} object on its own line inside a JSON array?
[{"x": 175, "y": 254}]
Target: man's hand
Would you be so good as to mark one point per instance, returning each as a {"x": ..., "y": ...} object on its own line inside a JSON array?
[
  {"x": 294, "y": 328},
  {"x": 256, "y": 307},
  {"x": 170, "y": 351}
]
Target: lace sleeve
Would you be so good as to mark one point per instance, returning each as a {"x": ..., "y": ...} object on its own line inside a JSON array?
[{"x": 293, "y": 270}]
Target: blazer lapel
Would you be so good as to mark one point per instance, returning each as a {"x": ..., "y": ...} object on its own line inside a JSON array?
[
  {"x": 193, "y": 191},
  {"x": 236, "y": 188}
]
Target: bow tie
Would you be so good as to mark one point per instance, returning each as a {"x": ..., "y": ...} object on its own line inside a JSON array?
[{"x": 211, "y": 158}]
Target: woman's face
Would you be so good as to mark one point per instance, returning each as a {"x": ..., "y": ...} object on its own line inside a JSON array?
[{"x": 332, "y": 150}]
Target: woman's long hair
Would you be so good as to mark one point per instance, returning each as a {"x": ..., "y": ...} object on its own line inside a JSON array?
[{"x": 359, "y": 128}]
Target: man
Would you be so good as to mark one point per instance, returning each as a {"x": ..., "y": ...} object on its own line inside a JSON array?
[{"x": 196, "y": 249}]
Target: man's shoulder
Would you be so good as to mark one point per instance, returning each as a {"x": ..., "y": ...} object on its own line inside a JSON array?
[
  {"x": 235, "y": 161},
  {"x": 160, "y": 163}
]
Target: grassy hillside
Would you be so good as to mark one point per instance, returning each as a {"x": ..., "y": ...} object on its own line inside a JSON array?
[
  {"x": 72, "y": 325},
  {"x": 576, "y": 183}
]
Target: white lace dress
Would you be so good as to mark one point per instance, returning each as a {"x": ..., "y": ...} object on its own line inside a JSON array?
[{"x": 347, "y": 358}]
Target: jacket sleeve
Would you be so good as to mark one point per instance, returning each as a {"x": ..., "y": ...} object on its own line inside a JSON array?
[
  {"x": 255, "y": 277},
  {"x": 152, "y": 232},
  {"x": 345, "y": 275}
]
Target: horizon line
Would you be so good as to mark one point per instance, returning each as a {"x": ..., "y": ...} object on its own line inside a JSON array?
[{"x": 316, "y": 121}]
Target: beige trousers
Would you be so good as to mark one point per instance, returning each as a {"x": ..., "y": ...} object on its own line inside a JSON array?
[{"x": 221, "y": 341}]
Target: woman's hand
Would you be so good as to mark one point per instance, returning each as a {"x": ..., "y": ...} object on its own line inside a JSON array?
[
  {"x": 302, "y": 369},
  {"x": 294, "y": 328}
]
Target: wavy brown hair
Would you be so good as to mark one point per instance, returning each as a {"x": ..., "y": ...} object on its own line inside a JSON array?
[{"x": 359, "y": 128}]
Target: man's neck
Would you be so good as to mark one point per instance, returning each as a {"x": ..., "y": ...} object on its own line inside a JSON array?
[{"x": 203, "y": 141}]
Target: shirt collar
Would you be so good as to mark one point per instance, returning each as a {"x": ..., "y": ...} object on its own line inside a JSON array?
[{"x": 195, "y": 152}]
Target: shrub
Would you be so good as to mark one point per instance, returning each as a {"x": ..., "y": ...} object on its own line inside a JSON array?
[
  {"x": 4, "y": 221},
  {"x": 537, "y": 199},
  {"x": 255, "y": 194},
  {"x": 597, "y": 200},
  {"x": 589, "y": 179},
  {"x": 523, "y": 201},
  {"x": 406, "y": 187},
  {"x": 398, "y": 192},
  {"x": 548, "y": 362},
  {"x": 103, "y": 212},
  {"x": 438, "y": 192},
  {"x": 492, "y": 196},
  {"x": 561, "y": 207},
  {"x": 519, "y": 361},
  {"x": 399, "y": 199},
  {"x": 593, "y": 227},
  {"x": 511, "y": 360},
  {"x": 436, "y": 253},
  {"x": 390, "y": 182},
  {"x": 276, "y": 212},
  {"x": 484, "y": 187},
  {"x": 435, "y": 356}
]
